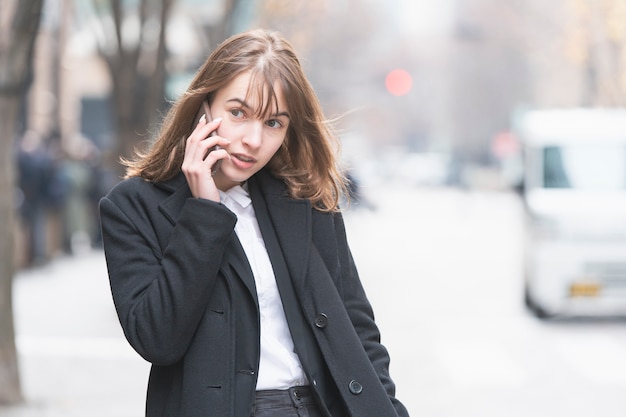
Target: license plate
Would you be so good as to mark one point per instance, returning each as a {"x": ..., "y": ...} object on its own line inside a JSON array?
[{"x": 585, "y": 289}]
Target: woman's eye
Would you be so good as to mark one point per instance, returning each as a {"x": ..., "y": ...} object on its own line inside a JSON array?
[
  {"x": 273, "y": 123},
  {"x": 237, "y": 113}
]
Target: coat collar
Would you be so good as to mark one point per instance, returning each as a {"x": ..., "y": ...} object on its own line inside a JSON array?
[
  {"x": 180, "y": 192},
  {"x": 234, "y": 255},
  {"x": 289, "y": 218}
]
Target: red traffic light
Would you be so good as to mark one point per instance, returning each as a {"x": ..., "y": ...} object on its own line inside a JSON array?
[{"x": 398, "y": 82}]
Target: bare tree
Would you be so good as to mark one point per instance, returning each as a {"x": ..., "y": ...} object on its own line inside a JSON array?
[
  {"x": 19, "y": 24},
  {"x": 137, "y": 62},
  {"x": 217, "y": 31},
  {"x": 596, "y": 41},
  {"x": 576, "y": 51},
  {"x": 137, "y": 66}
]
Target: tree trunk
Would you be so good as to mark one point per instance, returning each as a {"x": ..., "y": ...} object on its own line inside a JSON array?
[
  {"x": 16, "y": 49},
  {"x": 10, "y": 390},
  {"x": 138, "y": 92},
  {"x": 138, "y": 88}
]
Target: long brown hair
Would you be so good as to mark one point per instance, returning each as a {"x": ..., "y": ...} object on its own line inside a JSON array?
[{"x": 306, "y": 161}]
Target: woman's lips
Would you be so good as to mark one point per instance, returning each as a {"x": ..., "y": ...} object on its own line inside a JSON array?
[{"x": 242, "y": 161}]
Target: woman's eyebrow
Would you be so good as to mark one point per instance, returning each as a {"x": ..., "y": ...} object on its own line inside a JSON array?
[
  {"x": 240, "y": 101},
  {"x": 247, "y": 106}
]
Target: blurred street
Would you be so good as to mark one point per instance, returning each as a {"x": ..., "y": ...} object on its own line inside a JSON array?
[{"x": 442, "y": 268}]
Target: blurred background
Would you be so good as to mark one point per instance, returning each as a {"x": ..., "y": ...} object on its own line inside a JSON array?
[{"x": 429, "y": 97}]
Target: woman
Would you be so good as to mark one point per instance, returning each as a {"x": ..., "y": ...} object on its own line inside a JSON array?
[{"x": 227, "y": 254}]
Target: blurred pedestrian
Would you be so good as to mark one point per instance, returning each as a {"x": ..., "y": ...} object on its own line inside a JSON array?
[
  {"x": 78, "y": 215},
  {"x": 356, "y": 198},
  {"x": 40, "y": 191},
  {"x": 227, "y": 253}
]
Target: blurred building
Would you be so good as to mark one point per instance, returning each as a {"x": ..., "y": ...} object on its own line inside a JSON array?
[{"x": 471, "y": 65}]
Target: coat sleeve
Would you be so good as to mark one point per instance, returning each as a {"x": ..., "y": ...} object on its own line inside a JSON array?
[
  {"x": 361, "y": 315},
  {"x": 160, "y": 294}
]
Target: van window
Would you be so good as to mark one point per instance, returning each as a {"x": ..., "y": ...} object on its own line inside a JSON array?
[{"x": 592, "y": 168}]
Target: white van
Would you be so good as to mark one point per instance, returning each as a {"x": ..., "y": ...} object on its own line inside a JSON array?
[{"x": 575, "y": 198}]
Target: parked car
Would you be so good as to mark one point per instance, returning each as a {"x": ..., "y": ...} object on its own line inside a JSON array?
[{"x": 574, "y": 193}]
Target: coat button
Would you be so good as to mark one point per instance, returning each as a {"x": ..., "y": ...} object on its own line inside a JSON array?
[
  {"x": 321, "y": 320},
  {"x": 355, "y": 387}
]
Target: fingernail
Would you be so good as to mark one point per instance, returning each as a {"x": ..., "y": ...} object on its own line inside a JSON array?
[
  {"x": 217, "y": 119},
  {"x": 202, "y": 119}
]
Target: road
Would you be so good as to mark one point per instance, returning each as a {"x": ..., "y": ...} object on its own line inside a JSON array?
[{"x": 442, "y": 270}]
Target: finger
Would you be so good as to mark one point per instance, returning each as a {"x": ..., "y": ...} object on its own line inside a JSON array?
[
  {"x": 212, "y": 141},
  {"x": 204, "y": 147},
  {"x": 206, "y": 129},
  {"x": 203, "y": 130},
  {"x": 214, "y": 124},
  {"x": 214, "y": 157},
  {"x": 202, "y": 139}
]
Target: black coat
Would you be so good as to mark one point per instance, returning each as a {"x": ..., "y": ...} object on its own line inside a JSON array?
[{"x": 186, "y": 300}]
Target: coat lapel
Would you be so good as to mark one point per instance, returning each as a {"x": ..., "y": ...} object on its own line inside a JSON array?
[
  {"x": 172, "y": 205},
  {"x": 234, "y": 254},
  {"x": 235, "y": 257},
  {"x": 284, "y": 226},
  {"x": 289, "y": 218}
]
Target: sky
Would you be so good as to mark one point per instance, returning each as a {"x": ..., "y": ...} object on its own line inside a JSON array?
[{"x": 423, "y": 17}]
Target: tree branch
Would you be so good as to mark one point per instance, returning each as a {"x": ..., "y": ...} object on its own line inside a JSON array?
[{"x": 23, "y": 32}]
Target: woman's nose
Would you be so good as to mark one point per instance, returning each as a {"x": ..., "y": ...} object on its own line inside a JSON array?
[{"x": 254, "y": 134}]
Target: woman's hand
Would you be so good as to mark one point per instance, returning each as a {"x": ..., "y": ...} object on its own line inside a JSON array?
[{"x": 200, "y": 157}]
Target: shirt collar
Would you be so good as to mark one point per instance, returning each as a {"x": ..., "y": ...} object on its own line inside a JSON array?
[{"x": 238, "y": 194}]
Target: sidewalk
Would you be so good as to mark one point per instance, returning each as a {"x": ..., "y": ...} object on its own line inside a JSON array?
[{"x": 74, "y": 360}]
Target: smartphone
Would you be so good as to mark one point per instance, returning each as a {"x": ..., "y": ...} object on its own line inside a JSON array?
[{"x": 206, "y": 111}]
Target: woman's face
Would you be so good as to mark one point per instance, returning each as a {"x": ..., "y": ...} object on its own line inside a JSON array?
[{"x": 253, "y": 140}]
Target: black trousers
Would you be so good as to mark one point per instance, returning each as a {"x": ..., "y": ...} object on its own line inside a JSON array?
[{"x": 292, "y": 402}]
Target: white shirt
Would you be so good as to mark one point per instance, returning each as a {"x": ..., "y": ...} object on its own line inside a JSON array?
[{"x": 279, "y": 367}]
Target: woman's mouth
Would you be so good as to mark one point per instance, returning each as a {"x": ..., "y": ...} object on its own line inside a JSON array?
[{"x": 242, "y": 161}]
